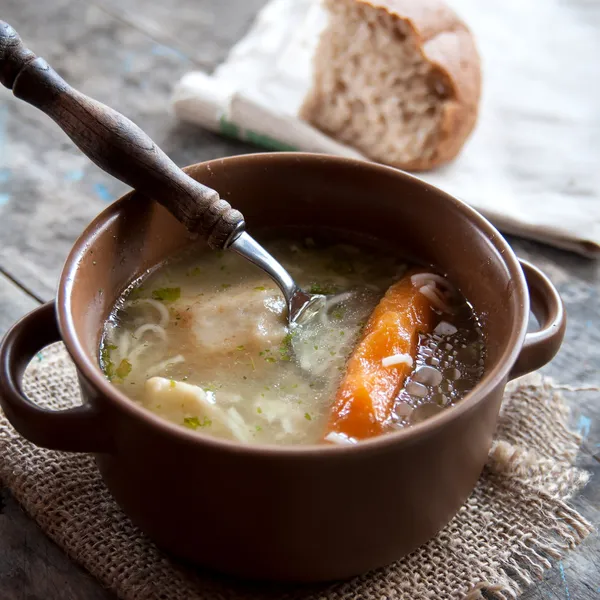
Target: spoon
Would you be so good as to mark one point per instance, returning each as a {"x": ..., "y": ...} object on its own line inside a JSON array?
[{"x": 123, "y": 150}]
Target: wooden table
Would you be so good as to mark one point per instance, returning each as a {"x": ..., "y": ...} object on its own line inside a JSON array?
[{"x": 128, "y": 54}]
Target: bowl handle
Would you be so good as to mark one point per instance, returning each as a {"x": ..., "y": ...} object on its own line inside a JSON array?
[
  {"x": 541, "y": 346},
  {"x": 78, "y": 429}
]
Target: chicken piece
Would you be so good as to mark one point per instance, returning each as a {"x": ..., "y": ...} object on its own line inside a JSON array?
[
  {"x": 194, "y": 408},
  {"x": 234, "y": 318}
]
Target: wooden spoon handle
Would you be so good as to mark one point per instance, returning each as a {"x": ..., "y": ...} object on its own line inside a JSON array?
[{"x": 115, "y": 144}]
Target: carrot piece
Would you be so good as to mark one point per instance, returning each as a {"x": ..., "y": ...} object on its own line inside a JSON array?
[{"x": 365, "y": 398}]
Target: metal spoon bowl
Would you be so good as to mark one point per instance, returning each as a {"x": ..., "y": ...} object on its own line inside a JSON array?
[{"x": 301, "y": 306}]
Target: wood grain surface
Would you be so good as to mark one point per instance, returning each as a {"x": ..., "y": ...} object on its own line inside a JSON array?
[
  {"x": 128, "y": 54},
  {"x": 114, "y": 143}
]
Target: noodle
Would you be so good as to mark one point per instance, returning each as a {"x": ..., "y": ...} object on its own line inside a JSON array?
[
  {"x": 237, "y": 425},
  {"x": 444, "y": 328},
  {"x": 340, "y": 438},
  {"x": 157, "y": 329},
  {"x": 433, "y": 295},
  {"x": 161, "y": 308},
  {"x": 397, "y": 359},
  {"x": 330, "y": 303},
  {"x": 420, "y": 279},
  {"x": 139, "y": 349},
  {"x": 338, "y": 299},
  {"x": 158, "y": 367},
  {"x": 124, "y": 344}
]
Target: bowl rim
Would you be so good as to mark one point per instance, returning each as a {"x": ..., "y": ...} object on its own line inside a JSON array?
[{"x": 110, "y": 393}]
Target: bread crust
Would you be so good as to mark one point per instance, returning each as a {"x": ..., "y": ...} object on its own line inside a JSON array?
[{"x": 447, "y": 44}]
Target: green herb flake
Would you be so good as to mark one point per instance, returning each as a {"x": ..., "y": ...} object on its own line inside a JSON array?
[
  {"x": 167, "y": 294},
  {"x": 260, "y": 288},
  {"x": 172, "y": 383},
  {"x": 338, "y": 313},
  {"x": 194, "y": 422},
  {"x": 258, "y": 428},
  {"x": 259, "y": 410},
  {"x": 342, "y": 333},
  {"x": 285, "y": 350},
  {"x": 106, "y": 350},
  {"x": 270, "y": 359},
  {"x": 324, "y": 289},
  {"x": 109, "y": 370},
  {"x": 307, "y": 417},
  {"x": 106, "y": 363},
  {"x": 316, "y": 347},
  {"x": 225, "y": 285},
  {"x": 211, "y": 387},
  {"x": 261, "y": 353},
  {"x": 239, "y": 348},
  {"x": 123, "y": 369}
]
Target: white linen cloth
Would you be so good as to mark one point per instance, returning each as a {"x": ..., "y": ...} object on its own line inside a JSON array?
[{"x": 532, "y": 165}]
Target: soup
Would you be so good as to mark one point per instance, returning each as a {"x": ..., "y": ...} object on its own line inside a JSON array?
[{"x": 203, "y": 342}]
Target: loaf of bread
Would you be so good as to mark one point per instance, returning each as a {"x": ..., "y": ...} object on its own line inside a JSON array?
[{"x": 399, "y": 80}]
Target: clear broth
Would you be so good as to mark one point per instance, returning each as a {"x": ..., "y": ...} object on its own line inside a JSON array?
[{"x": 211, "y": 321}]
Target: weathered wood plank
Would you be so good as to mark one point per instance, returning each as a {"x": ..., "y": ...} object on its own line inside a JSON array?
[
  {"x": 576, "y": 364},
  {"x": 577, "y": 576},
  {"x": 50, "y": 191},
  {"x": 14, "y": 303},
  {"x": 33, "y": 567},
  {"x": 578, "y": 280},
  {"x": 203, "y": 31}
]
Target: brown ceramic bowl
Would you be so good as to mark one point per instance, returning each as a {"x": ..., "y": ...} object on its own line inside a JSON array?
[{"x": 294, "y": 513}]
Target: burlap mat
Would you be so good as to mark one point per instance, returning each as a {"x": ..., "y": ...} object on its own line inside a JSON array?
[{"x": 514, "y": 523}]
